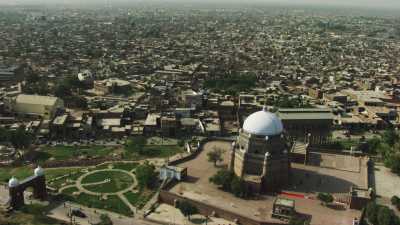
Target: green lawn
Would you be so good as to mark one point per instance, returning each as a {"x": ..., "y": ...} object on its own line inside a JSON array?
[
  {"x": 69, "y": 152},
  {"x": 125, "y": 166},
  {"x": 113, "y": 202},
  {"x": 119, "y": 181},
  {"x": 154, "y": 151},
  {"x": 74, "y": 174},
  {"x": 162, "y": 151},
  {"x": 19, "y": 172},
  {"x": 154, "y": 147},
  {"x": 140, "y": 199},
  {"x": 161, "y": 141},
  {"x": 57, "y": 172},
  {"x": 69, "y": 191}
]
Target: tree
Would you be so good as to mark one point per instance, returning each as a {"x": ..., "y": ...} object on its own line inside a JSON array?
[
  {"x": 372, "y": 212},
  {"x": 20, "y": 138},
  {"x": 325, "y": 198},
  {"x": 390, "y": 136},
  {"x": 105, "y": 220},
  {"x": 146, "y": 175},
  {"x": 32, "y": 77},
  {"x": 215, "y": 156},
  {"x": 4, "y": 135},
  {"x": 371, "y": 146},
  {"x": 297, "y": 221},
  {"x": 238, "y": 187},
  {"x": 395, "y": 201},
  {"x": 223, "y": 178},
  {"x": 76, "y": 102},
  {"x": 62, "y": 90},
  {"x": 136, "y": 144},
  {"x": 385, "y": 216},
  {"x": 187, "y": 209}
]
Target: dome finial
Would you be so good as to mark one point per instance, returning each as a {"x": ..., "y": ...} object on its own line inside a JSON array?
[
  {"x": 38, "y": 171},
  {"x": 13, "y": 182}
]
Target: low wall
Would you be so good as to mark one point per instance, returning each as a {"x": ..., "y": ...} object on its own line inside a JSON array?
[
  {"x": 199, "y": 150},
  {"x": 206, "y": 209}
]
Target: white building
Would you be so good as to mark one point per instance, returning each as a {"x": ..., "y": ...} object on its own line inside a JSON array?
[
  {"x": 172, "y": 172},
  {"x": 44, "y": 106}
]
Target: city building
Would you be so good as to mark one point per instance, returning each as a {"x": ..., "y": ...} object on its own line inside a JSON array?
[{"x": 36, "y": 105}]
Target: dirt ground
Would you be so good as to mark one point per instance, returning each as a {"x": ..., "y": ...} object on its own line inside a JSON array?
[
  {"x": 386, "y": 183},
  {"x": 198, "y": 187},
  {"x": 170, "y": 215}
]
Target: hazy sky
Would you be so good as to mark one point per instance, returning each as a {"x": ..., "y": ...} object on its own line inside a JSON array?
[{"x": 390, "y": 4}]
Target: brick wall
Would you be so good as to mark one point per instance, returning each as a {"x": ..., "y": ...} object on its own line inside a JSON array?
[{"x": 206, "y": 209}]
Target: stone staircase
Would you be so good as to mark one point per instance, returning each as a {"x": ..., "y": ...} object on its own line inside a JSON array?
[
  {"x": 342, "y": 198},
  {"x": 299, "y": 147}
]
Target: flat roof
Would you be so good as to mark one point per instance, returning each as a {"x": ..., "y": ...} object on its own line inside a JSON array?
[
  {"x": 306, "y": 116},
  {"x": 285, "y": 202},
  {"x": 36, "y": 99}
]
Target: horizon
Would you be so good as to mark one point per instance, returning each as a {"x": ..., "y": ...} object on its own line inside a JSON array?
[{"x": 361, "y": 4}]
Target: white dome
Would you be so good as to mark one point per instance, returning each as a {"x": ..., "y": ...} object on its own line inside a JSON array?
[
  {"x": 13, "y": 182},
  {"x": 263, "y": 123},
  {"x": 38, "y": 171}
]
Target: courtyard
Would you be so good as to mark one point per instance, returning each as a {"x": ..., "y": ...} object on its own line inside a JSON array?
[
  {"x": 386, "y": 183},
  {"x": 198, "y": 187}
]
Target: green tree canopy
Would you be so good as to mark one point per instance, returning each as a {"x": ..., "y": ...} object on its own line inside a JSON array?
[
  {"x": 215, "y": 156},
  {"x": 4, "y": 135},
  {"x": 136, "y": 145},
  {"x": 325, "y": 197},
  {"x": 146, "y": 175},
  {"x": 390, "y": 136},
  {"x": 105, "y": 220},
  {"x": 62, "y": 90},
  {"x": 187, "y": 209},
  {"x": 223, "y": 178},
  {"x": 20, "y": 138},
  {"x": 238, "y": 187}
]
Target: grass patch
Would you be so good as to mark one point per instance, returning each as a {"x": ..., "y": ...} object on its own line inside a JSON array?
[
  {"x": 140, "y": 199},
  {"x": 125, "y": 166},
  {"x": 73, "y": 174},
  {"x": 70, "y": 190},
  {"x": 112, "y": 203},
  {"x": 119, "y": 181},
  {"x": 141, "y": 148},
  {"x": 231, "y": 84},
  {"x": 57, "y": 172},
  {"x": 18, "y": 172},
  {"x": 61, "y": 152},
  {"x": 154, "y": 151}
]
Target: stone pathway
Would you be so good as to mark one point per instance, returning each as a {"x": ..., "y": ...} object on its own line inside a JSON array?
[
  {"x": 126, "y": 201},
  {"x": 120, "y": 194},
  {"x": 80, "y": 186},
  {"x": 66, "y": 187},
  {"x": 97, "y": 183}
]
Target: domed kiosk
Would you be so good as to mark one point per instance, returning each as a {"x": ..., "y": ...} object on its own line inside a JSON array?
[{"x": 260, "y": 153}]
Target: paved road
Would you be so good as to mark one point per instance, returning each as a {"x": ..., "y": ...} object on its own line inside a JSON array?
[{"x": 61, "y": 213}]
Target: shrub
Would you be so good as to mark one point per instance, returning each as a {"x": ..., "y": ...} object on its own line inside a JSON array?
[{"x": 325, "y": 197}]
